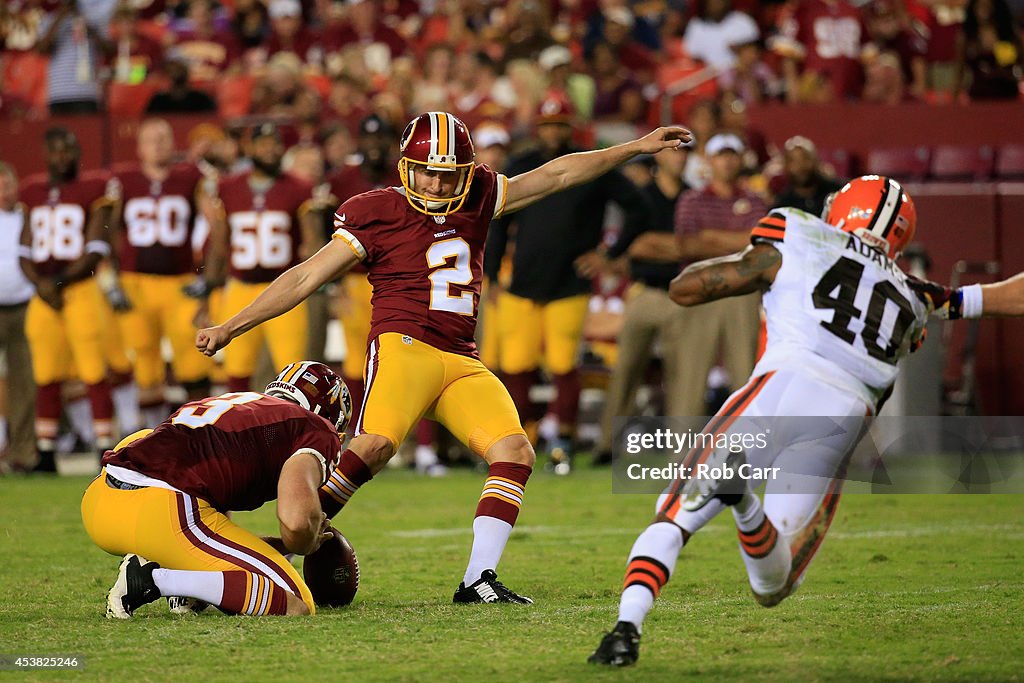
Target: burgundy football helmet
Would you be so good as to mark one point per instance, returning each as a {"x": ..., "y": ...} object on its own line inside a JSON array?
[
  {"x": 317, "y": 388},
  {"x": 437, "y": 141}
]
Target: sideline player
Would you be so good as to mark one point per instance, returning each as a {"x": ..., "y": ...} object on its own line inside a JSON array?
[
  {"x": 266, "y": 223},
  {"x": 163, "y": 495},
  {"x": 423, "y": 246},
  {"x": 840, "y": 316},
  {"x": 62, "y": 242},
  {"x": 155, "y": 260}
]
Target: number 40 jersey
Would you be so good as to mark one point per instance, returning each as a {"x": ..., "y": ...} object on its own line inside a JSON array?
[{"x": 838, "y": 308}]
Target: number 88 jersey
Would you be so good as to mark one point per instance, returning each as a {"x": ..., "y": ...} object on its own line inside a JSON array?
[
  {"x": 426, "y": 270},
  {"x": 838, "y": 307}
]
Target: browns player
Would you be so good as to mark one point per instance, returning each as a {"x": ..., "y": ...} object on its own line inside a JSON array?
[
  {"x": 423, "y": 246},
  {"x": 61, "y": 245},
  {"x": 266, "y": 224},
  {"x": 154, "y": 256},
  {"x": 163, "y": 494},
  {"x": 841, "y": 315}
]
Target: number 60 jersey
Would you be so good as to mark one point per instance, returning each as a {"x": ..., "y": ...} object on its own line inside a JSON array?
[
  {"x": 425, "y": 270},
  {"x": 838, "y": 308}
]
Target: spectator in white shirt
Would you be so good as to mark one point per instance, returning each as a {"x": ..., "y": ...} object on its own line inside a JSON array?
[
  {"x": 17, "y": 434},
  {"x": 711, "y": 34}
]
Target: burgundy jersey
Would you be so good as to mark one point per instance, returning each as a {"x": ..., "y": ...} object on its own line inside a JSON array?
[
  {"x": 59, "y": 215},
  {"x": 265, "y": 227},
  {"x": 229, "y": 449},
  {"x": 834, "y": 35},
  {"x": 348, "y": 181},
  {"x": 157, "y": 220},
  {"x": 425, "y": 270}
]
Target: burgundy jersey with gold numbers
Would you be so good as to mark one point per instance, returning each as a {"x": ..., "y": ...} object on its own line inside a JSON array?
[
  {"x": 58, "y": 216},
  {"x": 425, "y": 270},
  {"x": 264, "y": 226},
  {"x": 229, "y": 449},
  {"x": 157, "y": 219}
]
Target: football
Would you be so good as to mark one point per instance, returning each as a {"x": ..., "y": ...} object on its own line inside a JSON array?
[{"x": 332, "y": 572}]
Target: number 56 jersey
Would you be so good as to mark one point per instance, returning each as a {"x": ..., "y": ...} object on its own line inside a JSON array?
[{"x": 838, "y": 308}]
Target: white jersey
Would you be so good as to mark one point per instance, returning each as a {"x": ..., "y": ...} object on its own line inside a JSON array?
[{"x": 837, "y": 308}]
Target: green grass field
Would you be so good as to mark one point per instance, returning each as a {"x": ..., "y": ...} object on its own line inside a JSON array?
[{"x": 905, "y": 587}]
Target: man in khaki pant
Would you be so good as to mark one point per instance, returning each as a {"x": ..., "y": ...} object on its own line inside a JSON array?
[
  {"x": 711, "y": 222},
  {"x": 15, "y": 292}
]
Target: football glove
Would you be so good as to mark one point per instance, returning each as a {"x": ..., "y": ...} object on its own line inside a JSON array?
[
  {"x": 199, "y": 288},
  {"x": 944, "y": 302},
  {"x": 117, "y": 299}
]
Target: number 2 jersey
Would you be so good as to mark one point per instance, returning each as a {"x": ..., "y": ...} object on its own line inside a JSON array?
[
  {"x": 229, "y": 449},
  {"x": 838, "y": 308},
  {"x": 425, "y": 270}
]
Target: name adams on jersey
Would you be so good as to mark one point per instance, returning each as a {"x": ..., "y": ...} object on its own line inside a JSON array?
[{"x": 838, "y": 307}]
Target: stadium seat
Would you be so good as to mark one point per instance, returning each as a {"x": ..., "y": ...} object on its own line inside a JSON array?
[
  {"x": 902, "y": 163},
  {"x": 25, "y": 76},
  {"x": 128, "y": 101},
  {"x": 838, "y": 161},
  {"x": 234, "y": 96},
  {"x": 957, "y": 162},
  {"x": 1010, "y": 162}
]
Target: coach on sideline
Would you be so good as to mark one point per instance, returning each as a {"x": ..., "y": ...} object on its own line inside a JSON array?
[{"x": 15, "y": 292}]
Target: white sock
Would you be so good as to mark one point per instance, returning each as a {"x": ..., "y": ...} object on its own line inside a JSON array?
[
  {"x": 205, "y": 586},
  {"x": 490, "y": 535},
  {"x": 126, "y": 407},
  {"x": 80, "y": 415},
  {"x": 657, "y": 546},
  {"x": 764, "y": 550}
]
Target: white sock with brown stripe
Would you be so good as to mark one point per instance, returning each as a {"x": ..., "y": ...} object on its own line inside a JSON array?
[
  {"x": 651, "y": 563},
  {"x": 237, "y": 592},
  {"x": 765, "y": 551},
  {"x": 496, "y": 514}
]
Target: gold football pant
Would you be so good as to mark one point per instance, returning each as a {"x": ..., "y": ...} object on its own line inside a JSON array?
[
  {"x": 532, "y": 332},
  {"x": 161, "y": 309},
  {"x": 407, "y": 379},
  {"x": 285, "y": 335}
]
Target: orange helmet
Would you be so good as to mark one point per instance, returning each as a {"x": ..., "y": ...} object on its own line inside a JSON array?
[
  {"x": 875, "y": 209},
  {"x": 437, "y": 141}
]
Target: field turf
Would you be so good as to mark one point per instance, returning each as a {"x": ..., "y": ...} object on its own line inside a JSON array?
[{"x": 905, "y": 587}]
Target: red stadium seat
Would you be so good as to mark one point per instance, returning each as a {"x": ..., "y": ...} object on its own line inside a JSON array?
[
  {"x": 837, "y": 162},
  {"x": 25, "y": 76},
  {"x": 957, "y": 162},
  {"x": 901, "y": 163},
  {"x": 1010, "y": 162},
  {"x": 234, "y": 96},
  {"x": 128, "y": 101}
]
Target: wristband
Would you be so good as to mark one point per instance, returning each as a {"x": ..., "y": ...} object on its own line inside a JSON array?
[
  {"x": 972, "y": 304},
  {"x": 100, "y": 247}
]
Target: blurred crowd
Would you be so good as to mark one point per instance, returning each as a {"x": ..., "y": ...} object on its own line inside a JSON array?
[{"x": 612, "y": 61}]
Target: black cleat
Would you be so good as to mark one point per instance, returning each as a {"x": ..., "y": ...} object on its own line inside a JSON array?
[
  {"x": 621, "y": 647},
  {"x": 488, "y": 589},
  {"x": 46, "y": 464},
  {"x": 133, "y": 589}
]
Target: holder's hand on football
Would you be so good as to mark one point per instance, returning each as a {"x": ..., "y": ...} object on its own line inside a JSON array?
[
  {"x": 324, "y": 534},
  {"x": 210, "y": 340},
  {"x": 666, "y": 137},
  {"x": 49, "y": 290}
]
